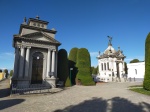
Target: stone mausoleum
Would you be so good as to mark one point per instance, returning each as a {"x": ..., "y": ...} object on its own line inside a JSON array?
[
  {"x": 35, "y": 54},
  {"x": 111, "y": 64}
]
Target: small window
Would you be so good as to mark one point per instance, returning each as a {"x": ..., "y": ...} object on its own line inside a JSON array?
[
  {"x": 34, "y": 24},
  {"x": 42, "y": 25},
  {"x": 38, "y": 25},
  {"x": 105, "y": 65}
]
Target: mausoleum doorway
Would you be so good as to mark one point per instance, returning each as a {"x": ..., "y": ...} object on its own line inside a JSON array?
[{"x": 37, "y": 68}]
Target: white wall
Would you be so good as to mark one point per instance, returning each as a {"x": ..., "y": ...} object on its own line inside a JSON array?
[{"x": 136, "y": 70}]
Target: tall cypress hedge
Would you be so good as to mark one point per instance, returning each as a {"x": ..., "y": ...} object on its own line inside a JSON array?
[
  {"x": 84, "y": 67},
  {"x": 146, "y": 83},
  {"x": 62, "y": 70},
  {"x": 72, "y": 64}
]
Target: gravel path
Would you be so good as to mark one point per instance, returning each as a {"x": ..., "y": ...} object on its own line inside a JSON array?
[{"x": 104, "y": 97}]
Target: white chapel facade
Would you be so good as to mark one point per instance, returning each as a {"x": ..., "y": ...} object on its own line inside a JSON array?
[
  {"x": 35, "y": 54},
  {"x": 111, "y": 64}
]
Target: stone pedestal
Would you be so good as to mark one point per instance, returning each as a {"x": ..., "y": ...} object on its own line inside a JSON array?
[{"x": 51, "y": 82}]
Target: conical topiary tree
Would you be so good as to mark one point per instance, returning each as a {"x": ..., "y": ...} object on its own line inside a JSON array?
[
  {"x": 62, "y": 70},
  {"x": 72, "y": 64},
  {"x": 146, "y": 83},
  {"x": 84, "y": 67}
]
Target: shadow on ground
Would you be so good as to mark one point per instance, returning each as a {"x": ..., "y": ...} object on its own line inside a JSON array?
[
  {"x": 4, "y": 92},
  {"x": 115, "y": 104},
  {"x": 9, "y": 103}
]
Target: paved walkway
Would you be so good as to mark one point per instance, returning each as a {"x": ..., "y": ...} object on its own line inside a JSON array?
[{"x": 104, "y": 97}]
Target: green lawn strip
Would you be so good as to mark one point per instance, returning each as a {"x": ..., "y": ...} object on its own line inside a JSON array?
[
  {"x": 139, "y": 89},
  {"x": 136, "y": 86}
]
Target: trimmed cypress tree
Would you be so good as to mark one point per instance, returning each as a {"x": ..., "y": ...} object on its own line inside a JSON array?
[
  {"x": 84, "y": 67},
  {"x": 62, "y": 70},
  {"x": 146, "y": 83},
  {"x": 72, "y": 64}
]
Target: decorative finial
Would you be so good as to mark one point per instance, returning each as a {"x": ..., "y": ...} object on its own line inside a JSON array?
[
  {"x": 110, "y": 39},
  {"x": 37, "y": 17},
  {"x": 119, "y": 48},
  {"x": 25, "y": 19},
  {"x": 99, "y": 52}
]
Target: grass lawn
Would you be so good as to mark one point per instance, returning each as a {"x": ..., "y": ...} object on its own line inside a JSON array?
[{"x": 139, "y": 89}]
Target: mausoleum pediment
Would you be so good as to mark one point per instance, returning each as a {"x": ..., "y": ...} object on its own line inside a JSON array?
[{"x": 39, "y": 36}]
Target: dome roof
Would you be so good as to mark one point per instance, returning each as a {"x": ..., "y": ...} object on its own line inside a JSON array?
[{"x": 109, "y": 50}]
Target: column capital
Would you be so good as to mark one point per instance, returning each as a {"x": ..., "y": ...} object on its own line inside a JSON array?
[
  {"x": 28, "y": 47},
  {"x": 49, "y": 49},
  {"x": 54, "y": 50},
  {"x": 21, "y": 46}
]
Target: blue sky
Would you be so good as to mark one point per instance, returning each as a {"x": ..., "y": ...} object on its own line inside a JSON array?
[{"x": 80, "y": 23}]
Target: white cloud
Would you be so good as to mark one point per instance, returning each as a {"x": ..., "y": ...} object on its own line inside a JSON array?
[
  {"x": 6, "y": 55},
  {"x": 93, "y": 54}
]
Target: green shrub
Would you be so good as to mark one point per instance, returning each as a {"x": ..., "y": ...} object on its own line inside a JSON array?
[
  {"x": 146, "y": 82},
  {"x": 67, "y": 83}
]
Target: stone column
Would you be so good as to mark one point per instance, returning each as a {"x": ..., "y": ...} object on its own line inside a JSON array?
[
  {"x": 56, "y": 63},
  {"x": 16, "y": 63},
  {"x": 21, "y": 65},
  {"x": 53, "y": 63},
  {"x": 27, "y": 62},
  {"x": 120, "y": 68},
  {"x": 115, "y": 69},
  {"x": 48, "y": 62},
  {"x": 123, "y": 67}
]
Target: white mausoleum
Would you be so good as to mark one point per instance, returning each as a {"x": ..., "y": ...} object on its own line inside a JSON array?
[
  {"x": 35, "y": 54},
  {"x": 111, "y": 64},
  {"x": 136, "y": 71}
]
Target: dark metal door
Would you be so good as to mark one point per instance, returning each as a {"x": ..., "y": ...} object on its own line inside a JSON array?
[{"x": 37, "y": 68}]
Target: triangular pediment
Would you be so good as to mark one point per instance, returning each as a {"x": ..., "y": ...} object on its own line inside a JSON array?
[{"x": 40, "y": 36}]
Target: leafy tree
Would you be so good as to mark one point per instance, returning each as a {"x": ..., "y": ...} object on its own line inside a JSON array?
[
  {"x": 95, "y": 70},
  {"x": 11, "y": 73},
  {"x": 125, "y": 68},
  {"x": 134, "y": 61},
  {"x": 6, "y": 73},
  {"x": 1, "y": 71},
  {"x": 62, "y": 70},
  {"x": 92, "y": 68},
  {"x": 146, "y": 82},
  {"x": 72, "y": 64},
  {"x": 84, "y": 67}
]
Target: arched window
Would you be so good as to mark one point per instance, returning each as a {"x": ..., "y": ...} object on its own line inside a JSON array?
[
  {"x": 105, "y": 65},
  {"x": 136, "y": 71},
  {"x": 102, "y": 66}
]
